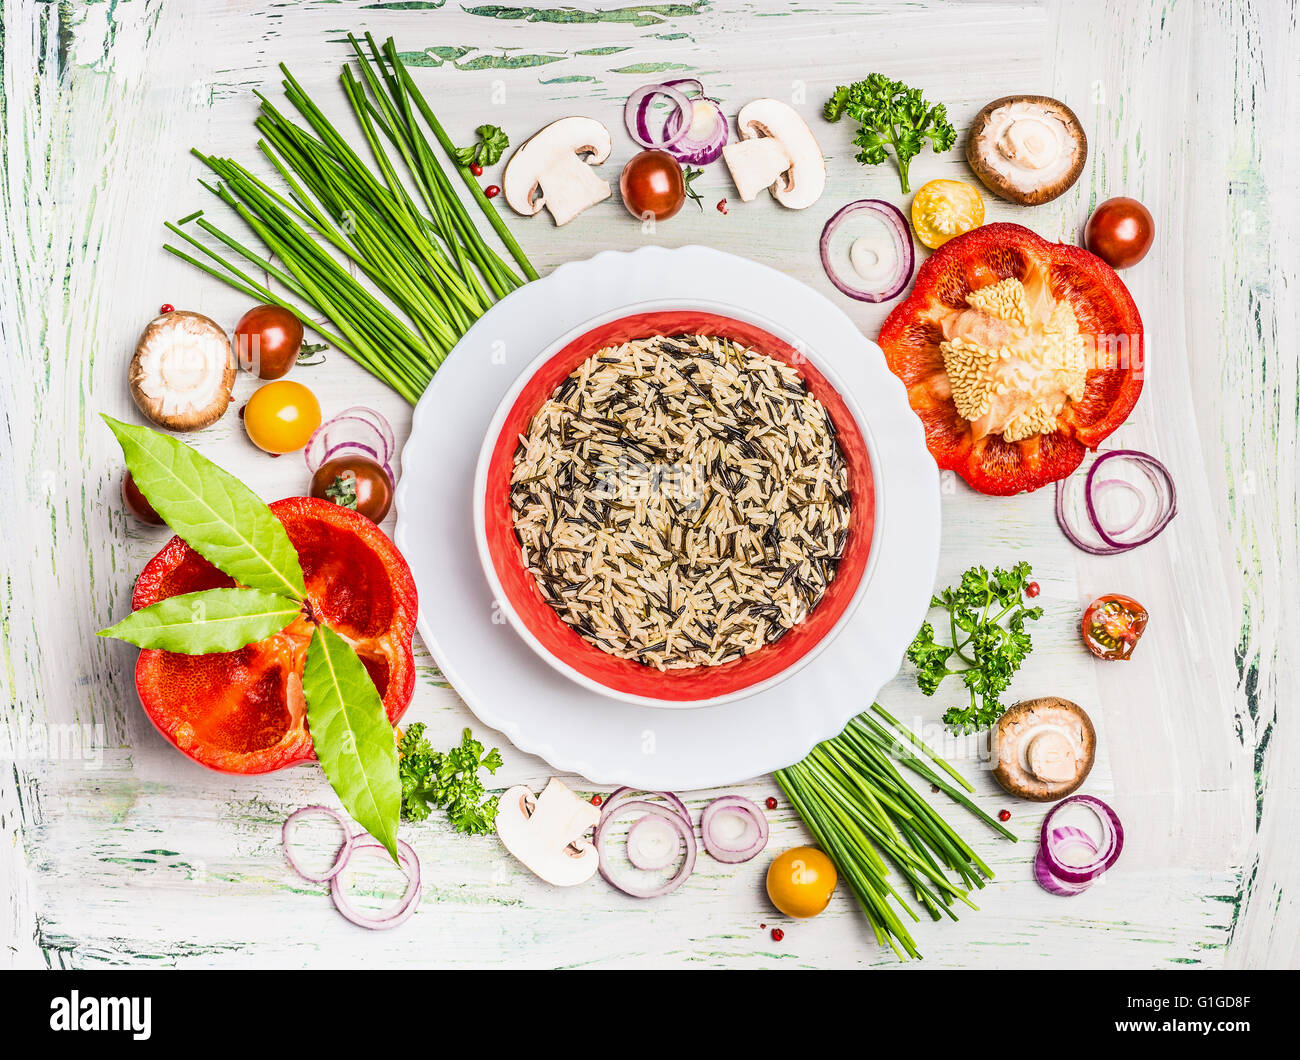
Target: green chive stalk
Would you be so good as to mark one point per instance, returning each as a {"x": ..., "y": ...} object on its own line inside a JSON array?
[
  {"x": 868, "y": 817},
  {"x": 391, "y": 278}
]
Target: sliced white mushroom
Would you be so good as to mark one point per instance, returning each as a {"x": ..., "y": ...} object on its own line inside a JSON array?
[
  {"x": 182, "y": 371},
  {"x": 548, "y": 832},
  {"x": 552, "y": 168},
  {"x": 776, "y": 150}
]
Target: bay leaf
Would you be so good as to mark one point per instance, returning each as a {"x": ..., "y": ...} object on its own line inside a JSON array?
[
  {"x": 352, "y": 735},
  {"x": 217, "y": 515},
  {"x": 214, "y": 620}
]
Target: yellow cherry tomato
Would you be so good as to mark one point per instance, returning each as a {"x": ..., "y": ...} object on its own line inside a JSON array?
[
  {"x": 800, "y": 882},
  {"x": 945, "y": 208},
  {"x": 281, "y": 416}
]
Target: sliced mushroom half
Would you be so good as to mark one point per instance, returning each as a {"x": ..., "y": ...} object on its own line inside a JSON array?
[
  {"x": 1043, "y": 749},
  {"x": 776, "y": 150},
  {"x": 548, "y": 832},
  {"x": 182, "y": 371},
  {"x": 552, "y": 168},
  {"x": 1028, "y": 149}
]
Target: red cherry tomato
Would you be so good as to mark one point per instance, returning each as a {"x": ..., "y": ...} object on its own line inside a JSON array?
[
  {"x": 652, "y": 185},
  {"x": 137, "y": 504},
  {"x": 476, "y": 169},
  {"x": 268, "y": 339},
  {"x": 1120, "y": 232},
  {"x": 491, "y": 191},
  {"x": 354, "y": 482},
  {"x": 1112, "y": 625}
]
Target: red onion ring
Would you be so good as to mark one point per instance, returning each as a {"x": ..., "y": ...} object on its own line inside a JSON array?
[
  {"x": 641, "y": 849},
  {"x": 675, "y": 819},
  {"x": 753, "y": 838},
  {"x": 896, "y": 223},
  {"x": 347, "y": 431},
  {"x": 359, "y": 418},
  {"x": 345, "y": 849},
  {"x": 1162, "y": 484},
  {"x": 687, "y": 84},
  {"x": 1112, "y": 842},
  {"x": 1127, "y": 487},
  {"x": 1150, "y": 466},
  {"x": 690, "y": 149},
  {"x": 622, "y": 795},
  {"x": 1043, "y": 874},
  {"x": 401, "y": 912},
  {"x": 357, "y": 429},
  {"x": 634, "y": 116},
  {"x": 369, "y": 415}
]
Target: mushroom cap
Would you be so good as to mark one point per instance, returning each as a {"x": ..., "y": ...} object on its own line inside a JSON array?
[
  {"x": 1005, "y": 162},
  {"x": 183, "y": 371},
  {"x": 803, "y": 183},
  {"x": 1065, "y": 736}
]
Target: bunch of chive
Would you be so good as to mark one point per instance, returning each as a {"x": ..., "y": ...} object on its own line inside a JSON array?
[
  {"x": 396, "y": 285},
  {"x": 862, "y": 810}
]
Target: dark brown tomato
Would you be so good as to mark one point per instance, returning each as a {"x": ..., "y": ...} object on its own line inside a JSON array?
[
  {"x": 1120, "y": 232},
  {"x": 652, "y": 186},
  {"x": 357, "y": 483},
  {"x": 268, "y": 339},
  {"x": 137, "y": 504}
]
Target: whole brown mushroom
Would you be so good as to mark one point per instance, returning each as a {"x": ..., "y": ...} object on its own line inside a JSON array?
[
  {"x": 1043, "y": 749},
  {"x": 1028, "y": 149},
  {"x": 182, "y": 371}
]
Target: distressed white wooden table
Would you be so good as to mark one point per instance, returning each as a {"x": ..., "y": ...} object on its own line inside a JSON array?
[{"x": 115, "y": 849}]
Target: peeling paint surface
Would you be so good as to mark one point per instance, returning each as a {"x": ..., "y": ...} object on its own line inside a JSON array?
[{"x": 114, "y": 849}]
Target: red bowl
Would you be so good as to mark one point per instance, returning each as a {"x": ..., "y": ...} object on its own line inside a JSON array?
[{"x": 517, "y": 592}]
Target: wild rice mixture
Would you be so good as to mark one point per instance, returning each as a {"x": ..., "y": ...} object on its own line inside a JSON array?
[{"x": 681, "y": 500}]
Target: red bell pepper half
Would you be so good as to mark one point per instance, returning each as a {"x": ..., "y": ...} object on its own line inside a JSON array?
[
  {"x": 243, "y": 711},
  {"x": 1107, "y": 317}
]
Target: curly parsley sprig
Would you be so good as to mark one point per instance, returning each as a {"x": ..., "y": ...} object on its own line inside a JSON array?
[
  {"x": 487, "y": 151},
  {"x": 891, "y": 115},
  {"x": 989, "y": 610},
  {"x": 450, "y": 781}
]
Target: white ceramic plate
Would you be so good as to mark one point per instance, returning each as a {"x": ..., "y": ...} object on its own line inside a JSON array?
[{"x": 581, "y": 731}]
